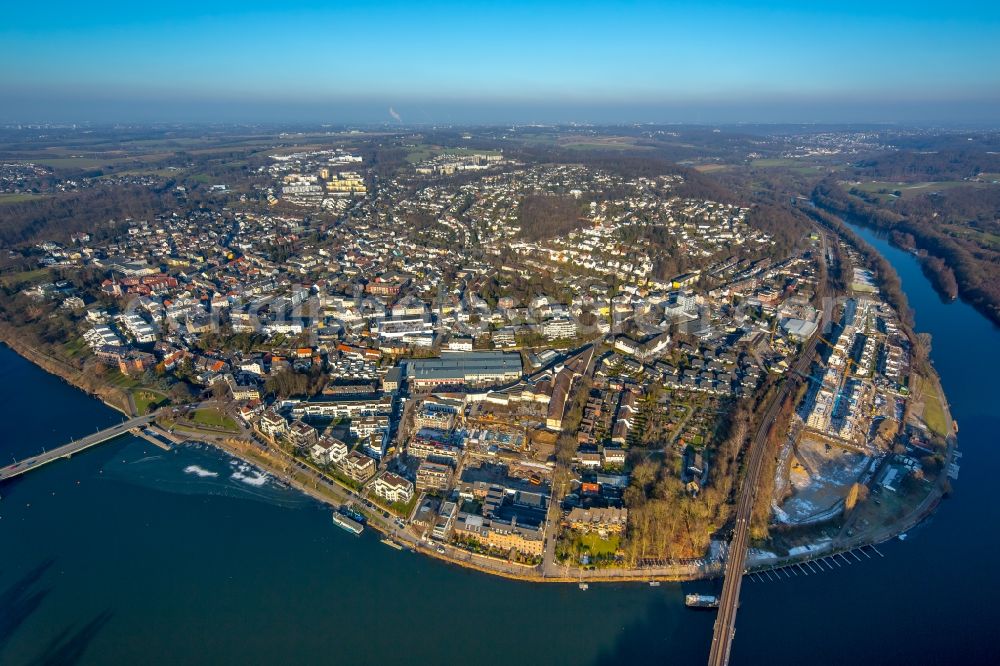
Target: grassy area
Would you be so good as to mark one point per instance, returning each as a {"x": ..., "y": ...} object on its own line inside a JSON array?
[
  {"x": 975, "y": 235},
  {"x": 146, "y": 400},
  {"x": 75, "y": 348},
  {"x": 150, "y": 171},
  {"x": 711, "y": 168},
  {"x": 933, "y": 410},
  {"x": 791, "y": 165},
  {"x": 598, "y": 546},
  {"x": 403, "y": 509},
  {"x": 775, "y": 162},
  {"x": 213, "y": 418},
  {"x": 20, "y": 197},
  {"x": 121, "y": 381},
  {"x": 911, "y": 189},
  {"x": 594, "y": 145},
  {"x": 72, "y": 162},
  {"x": 27, "y": 277}
]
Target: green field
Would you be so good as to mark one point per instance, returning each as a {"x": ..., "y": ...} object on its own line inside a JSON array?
[
  {"x": 152, "y": 171},
  {"x": 798, "y": 166},
  {"x": 401, "y": 509},
  {"x": 26, "y": 277},
  {"x": 75, "y": 348},
  {"x": 145, "y": 400},
  {"x": 711, "y": 168},
  {"x": 887, "y": 189},
  {"x": 75, "y": 162},
  {"x": 776, "y": 162},
  {"x": 588, "y": 145},
  {"x": 213, "y": 418},
  {"x": 979, "y": 236},
  {"x": 598, "y": 546},
  {"x": 119, "y": 380},
  {"x": 933, "y": 411},
  {"x": 20, "y": 197}
]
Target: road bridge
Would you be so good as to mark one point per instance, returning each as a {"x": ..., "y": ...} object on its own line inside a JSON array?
[{"x": 75, "y": 446}]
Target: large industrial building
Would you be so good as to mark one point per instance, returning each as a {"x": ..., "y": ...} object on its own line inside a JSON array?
[{"x": 473, "y": 368}]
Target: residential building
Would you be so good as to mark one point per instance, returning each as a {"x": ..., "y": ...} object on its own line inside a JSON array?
[
  {"x": 601, "y": 520},
  {"x": 329, "y": 451},
  {"x": 392, "y": 487},
  {"x": 433, "y": 476},
  {"x": 358, "y": 466}
]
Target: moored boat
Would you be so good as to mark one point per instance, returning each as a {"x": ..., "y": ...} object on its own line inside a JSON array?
[
  {"x": 346, "y": 523},
  {"x": 701, "y": 601},
  {"x": 352, "y": 512}
]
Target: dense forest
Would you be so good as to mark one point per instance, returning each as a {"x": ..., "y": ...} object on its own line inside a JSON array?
[
  {"x": 909, "y": 166},
  {"x": 550, "y": 215},
  {"x": 935, "y": 223},
  {"x": 57, "y": 217},
  {"x": 785, "y": 225}
]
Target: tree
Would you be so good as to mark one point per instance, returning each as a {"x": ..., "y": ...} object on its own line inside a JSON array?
[
  {"x": 887, "y": 430},
  {"x": 857, "y": 493}
]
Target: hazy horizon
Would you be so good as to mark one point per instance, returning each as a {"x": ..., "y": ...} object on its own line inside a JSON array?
[{"x": 736, "y": 62}]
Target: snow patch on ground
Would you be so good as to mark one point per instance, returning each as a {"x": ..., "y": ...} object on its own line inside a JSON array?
[{"x": 817, "y": 547}]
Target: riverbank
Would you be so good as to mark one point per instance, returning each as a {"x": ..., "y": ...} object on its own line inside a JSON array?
[
  {"x": 930, "y": 246},
  {"x": 333, "y": 496},
  {"x": 212, "y": 570},
  {"x": 111, "y": 396},
  {"x": 849, "y": 539},
  {"x": 326, "y": 491}
]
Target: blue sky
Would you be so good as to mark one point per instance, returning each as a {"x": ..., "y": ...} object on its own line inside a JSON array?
[{"x": 504, "y": 61}]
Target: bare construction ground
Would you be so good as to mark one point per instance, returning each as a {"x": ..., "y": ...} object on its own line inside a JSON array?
[{"x": 820, "y": 476}]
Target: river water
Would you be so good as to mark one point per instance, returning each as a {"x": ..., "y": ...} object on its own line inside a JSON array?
[{"x": 129, "y": 554}]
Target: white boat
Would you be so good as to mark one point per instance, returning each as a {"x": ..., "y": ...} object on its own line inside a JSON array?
[
  {"x": 346, "y": 523},
  {"x": 701, "y": 601}
]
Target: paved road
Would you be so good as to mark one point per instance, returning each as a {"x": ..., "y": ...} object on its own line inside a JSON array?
[
  {"x": 725, "y": 622},
  {"x": 67, "y": 450}
]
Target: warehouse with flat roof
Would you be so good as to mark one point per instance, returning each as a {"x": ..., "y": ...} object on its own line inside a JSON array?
[{"x": 474, "y": 368}]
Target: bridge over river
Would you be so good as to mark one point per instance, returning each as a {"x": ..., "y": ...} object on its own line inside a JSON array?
[{"x": 75, "y": 446}]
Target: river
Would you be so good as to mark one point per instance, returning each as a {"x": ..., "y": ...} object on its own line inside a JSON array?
[{"x": 128, "y": 554}]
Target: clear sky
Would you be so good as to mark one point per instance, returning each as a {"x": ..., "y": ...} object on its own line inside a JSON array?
[{"x": 346, "y": 61}]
